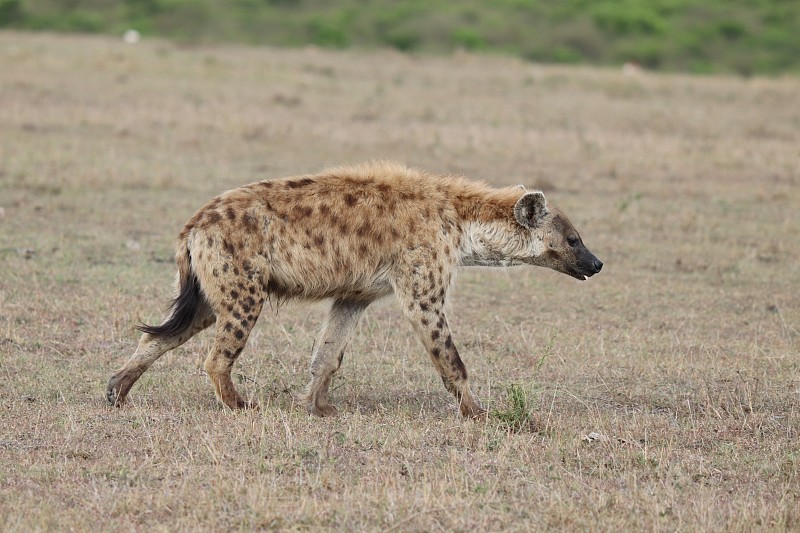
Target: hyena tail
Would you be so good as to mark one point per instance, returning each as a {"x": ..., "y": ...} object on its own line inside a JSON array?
[{"x": 185, "y": 305}]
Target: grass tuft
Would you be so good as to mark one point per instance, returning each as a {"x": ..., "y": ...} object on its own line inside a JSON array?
[{"x": 517, "y": 413}]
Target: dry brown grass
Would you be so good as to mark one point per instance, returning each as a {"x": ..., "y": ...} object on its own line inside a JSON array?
[{"x": 682, "y": 355}]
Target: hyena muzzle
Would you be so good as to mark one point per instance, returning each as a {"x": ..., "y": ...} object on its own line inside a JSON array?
[{"x": 351, "y": 235}]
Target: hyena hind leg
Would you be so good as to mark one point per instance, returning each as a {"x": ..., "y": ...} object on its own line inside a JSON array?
[
  {"x": 150, "y": 348},
  {"x": 233, "y": 329},
  {"x": 328, "y": 355}
]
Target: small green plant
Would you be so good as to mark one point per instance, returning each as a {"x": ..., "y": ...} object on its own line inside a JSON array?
[
  {"x": 517, "y": 416},
  {"x": 548, "y": 350}
]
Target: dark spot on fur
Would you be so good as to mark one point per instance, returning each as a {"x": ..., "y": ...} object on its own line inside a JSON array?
[
  {"x": 215, "y": 272},
  {"x": 228, "y": 326},
  {"x": 296, "y": 184},
  {"x": 250, "y": 222},
  {"x": 252, "y": 289},
  {"x": 319, "y": 240},
  {"x": 424, "y": 321},
  {"x": 440, "y": 323},
  {"x": 250, "y": 301},
  {"x": 436, "y": 352},
  {"x": 324, "y": 209},
  {"x": 234, "y": 295},
  {"x": 458, "y": 367},
  {"x": 209, "y": 241},
  {"x": 231, "y": 214},
  {"x": 237, "y": 315},
  {"x": 227, "y": 246},
  {"x": 350, "y": 200},
  {"x": 423, "y": 306},
  {"x": 225, "y": 267},
  {"x": 212, "y": 217},
  {"x": 239, "y": 334},
  {"x": 435, "y": 334},
  {"x": 448, "y": 342}
]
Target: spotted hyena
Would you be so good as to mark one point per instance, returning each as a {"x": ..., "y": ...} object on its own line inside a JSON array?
[{"x": 351, "y": 235}]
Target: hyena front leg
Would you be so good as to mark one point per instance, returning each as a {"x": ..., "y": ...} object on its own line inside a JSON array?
[
  {"x": 149, "y": 350},
  {"x": 423, "y": 303},
  {"x": 328, "y": 355}
]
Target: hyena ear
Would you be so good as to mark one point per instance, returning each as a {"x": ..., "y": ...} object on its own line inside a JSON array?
[{"x": 531, "y": 209}]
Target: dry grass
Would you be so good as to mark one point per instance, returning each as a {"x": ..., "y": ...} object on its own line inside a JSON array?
[{"x": 682, "y": 355}]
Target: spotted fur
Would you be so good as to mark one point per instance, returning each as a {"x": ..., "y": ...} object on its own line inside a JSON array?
[{"x": 352, "y": 235}]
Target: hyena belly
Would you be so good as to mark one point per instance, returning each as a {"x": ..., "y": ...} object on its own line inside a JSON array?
[{"x": 315, "y": 263}]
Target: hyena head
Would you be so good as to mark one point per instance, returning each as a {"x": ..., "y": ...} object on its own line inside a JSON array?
[{"x": 553, "y": 240}]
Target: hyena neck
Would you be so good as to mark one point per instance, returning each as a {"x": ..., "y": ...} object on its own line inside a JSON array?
[
  {"x": 491, "y": 236},
  {"x": 488, "y": 244}
]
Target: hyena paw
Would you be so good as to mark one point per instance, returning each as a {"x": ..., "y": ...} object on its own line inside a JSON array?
[
  {"x": 474, "y": 411},
  {"x": 113, "y": 396},
  {"x": 323, "y": 410},
  {"x": 240, "y": 404}
]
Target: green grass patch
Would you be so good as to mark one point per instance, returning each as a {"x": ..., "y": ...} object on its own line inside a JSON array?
[{"x": 743, "y": 37}]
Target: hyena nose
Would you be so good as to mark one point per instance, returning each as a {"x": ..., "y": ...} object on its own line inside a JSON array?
[{"x": 597, "y": 265}]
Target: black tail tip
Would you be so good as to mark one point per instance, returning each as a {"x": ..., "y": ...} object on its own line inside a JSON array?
[{"x": 182, "y": 311}]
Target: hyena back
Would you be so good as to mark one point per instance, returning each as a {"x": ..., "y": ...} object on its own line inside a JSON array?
[{"x": 352, "y": 235}]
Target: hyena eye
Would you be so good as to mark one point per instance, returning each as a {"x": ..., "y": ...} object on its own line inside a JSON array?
[{"x": 573, "y": 241}]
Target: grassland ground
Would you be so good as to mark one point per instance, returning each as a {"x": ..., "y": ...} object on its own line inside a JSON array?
[{"x": 681, "y": 356}]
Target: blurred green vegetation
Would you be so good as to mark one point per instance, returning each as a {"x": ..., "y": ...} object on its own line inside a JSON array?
[{"x": 743, "y": 36}]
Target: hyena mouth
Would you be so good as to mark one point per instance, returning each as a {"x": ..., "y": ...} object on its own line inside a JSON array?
[{"x": 580, "y": 275}]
